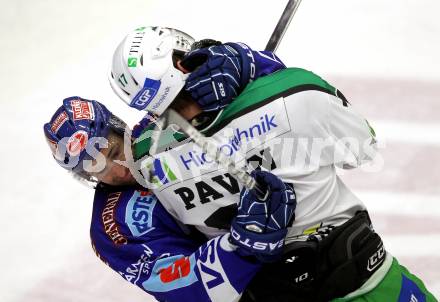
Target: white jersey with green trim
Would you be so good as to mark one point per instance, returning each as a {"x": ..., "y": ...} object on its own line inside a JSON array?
[{"x": 291, "y": 123}]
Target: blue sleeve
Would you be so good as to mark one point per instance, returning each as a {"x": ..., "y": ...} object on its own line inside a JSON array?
[
  {"x": 267, "y": 62},
  {"x": 133, "y": 234},
  {"x": 256, "y": 64}
]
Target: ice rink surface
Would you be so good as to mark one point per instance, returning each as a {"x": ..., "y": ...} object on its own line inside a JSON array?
[{"x": 383, "y": 55}]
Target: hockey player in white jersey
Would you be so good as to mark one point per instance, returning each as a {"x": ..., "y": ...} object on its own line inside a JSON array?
[{"x": 292, "y": 123}]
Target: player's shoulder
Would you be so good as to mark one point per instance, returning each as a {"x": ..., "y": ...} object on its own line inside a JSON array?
[
  {"x": 294, "y": 76},
  {"x": 285, "y": 82},
  {"x": 121, "y": 214},
  {"x": 294, "y": 85}
]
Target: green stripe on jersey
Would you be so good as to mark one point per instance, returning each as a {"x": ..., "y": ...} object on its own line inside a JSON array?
[
  {"x": 256, "y": 94},
  {"x": 269, "y": 88},
  {"x": 141, "y": 146}
]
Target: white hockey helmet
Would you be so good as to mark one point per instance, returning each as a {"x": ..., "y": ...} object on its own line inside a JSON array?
[{"x": 143, "y": 73}]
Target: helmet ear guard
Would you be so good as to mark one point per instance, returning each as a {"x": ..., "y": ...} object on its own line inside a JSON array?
[{"x": 143, "y": 72}]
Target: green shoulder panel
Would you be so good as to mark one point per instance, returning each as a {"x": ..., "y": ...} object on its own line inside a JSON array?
[
  {"x": 271, "y": 87},
  {"x": 256, "y": 94},
  {"x": 141, "y": 146}
]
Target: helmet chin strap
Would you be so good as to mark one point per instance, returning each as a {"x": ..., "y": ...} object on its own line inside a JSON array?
[
  {"x": 205, "y": 120},
  {"x": 181, "y": 68}
]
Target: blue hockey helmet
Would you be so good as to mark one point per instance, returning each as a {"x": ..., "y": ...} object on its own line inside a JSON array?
[{"x": 72, "y": 128}]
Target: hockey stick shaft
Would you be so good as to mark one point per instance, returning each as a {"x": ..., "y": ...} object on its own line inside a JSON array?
[
  {"x": 208, "y": 146},
  {"x": 282, "y": 25}
]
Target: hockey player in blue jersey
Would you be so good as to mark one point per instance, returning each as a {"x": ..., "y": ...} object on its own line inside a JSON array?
[{"x": 135, "y": 235}]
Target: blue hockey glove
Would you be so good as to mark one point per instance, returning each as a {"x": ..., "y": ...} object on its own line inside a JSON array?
[
  {"x": 220, "y": 72},
  {"x": 216, "y": 75},
  {"x": 260, "y": 227}
]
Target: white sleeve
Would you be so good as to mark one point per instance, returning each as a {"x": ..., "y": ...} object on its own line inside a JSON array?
[
  {"x": 355, "y": 139},
  {"x": 335, "y": 133}
]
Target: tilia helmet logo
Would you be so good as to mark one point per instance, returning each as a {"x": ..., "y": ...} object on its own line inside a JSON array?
[{"x": 136, "y": 41}]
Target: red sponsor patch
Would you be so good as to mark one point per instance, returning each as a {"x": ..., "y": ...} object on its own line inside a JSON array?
[
  {"x": 179, "y": 269},
  {"x": 59, "y": 121},
  {"x": 145, "y": 193},
  {"x": 82, "y": 110},
  {"x": 77, "y": 142}
]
